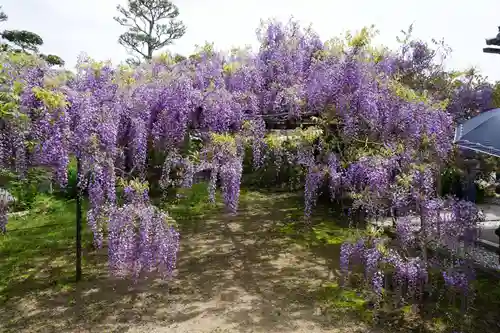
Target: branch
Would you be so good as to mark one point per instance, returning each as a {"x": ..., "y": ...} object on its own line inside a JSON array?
[
  {"x": 130, "y": 20},
  {"x": 164, "y": 10},
  {"x": 173, "y": 30},
  {"x": 131, "y": 41}
]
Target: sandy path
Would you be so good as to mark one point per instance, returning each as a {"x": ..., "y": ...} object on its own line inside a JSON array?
[{"x": 236, "y": 274}]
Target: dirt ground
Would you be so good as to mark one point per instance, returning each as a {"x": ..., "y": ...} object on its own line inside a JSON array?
[{"x": 235, "y": 274}]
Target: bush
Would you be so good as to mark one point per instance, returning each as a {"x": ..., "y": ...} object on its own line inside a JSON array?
[
  {"x": 25, "y": 190},
  {"x": 289, "y": 177},
  {"x": 451, "y": 182}
]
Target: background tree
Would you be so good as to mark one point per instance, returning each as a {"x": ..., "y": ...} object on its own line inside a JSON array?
[
  {"x": 53, "y": 59},
  {"x": 179, "y": 58},
  {"x": 146, "y": 34},
  {"x": 25, "y": 40}
]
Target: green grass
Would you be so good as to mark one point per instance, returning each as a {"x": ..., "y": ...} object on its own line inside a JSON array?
[
  {"x": 38, "y": 250},
  {"x": 192, "y": 204}
]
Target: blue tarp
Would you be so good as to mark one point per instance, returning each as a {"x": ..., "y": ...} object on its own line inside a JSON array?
[{"x": 481, "y": 133}]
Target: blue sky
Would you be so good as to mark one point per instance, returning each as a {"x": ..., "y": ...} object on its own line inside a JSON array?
[{"x": 70, "y": 27}]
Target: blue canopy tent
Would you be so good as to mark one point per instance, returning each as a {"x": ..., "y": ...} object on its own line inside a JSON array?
[{"x": 480, "y": 134}]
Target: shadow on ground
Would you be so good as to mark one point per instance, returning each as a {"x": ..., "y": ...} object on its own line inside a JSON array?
[{"x": 235, "y": 274}]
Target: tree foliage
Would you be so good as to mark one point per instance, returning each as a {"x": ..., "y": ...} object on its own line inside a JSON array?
[
  {"x": 53, "y": 59},
  {"x": 3, "y": 16},
  {"x": 25, "y": 40},
  {"x": 146, "y": 32}
]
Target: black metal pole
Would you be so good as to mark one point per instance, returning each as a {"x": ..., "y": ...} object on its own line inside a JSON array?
[
  {"x": 497, "y": 232},
  {"x": 78, "y": 223}
]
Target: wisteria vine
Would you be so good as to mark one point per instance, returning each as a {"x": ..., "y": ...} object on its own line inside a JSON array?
[{"x": 377, "y": 139}]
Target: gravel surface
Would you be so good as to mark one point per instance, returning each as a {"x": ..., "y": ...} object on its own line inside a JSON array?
[{"x": 484, "y": 257}]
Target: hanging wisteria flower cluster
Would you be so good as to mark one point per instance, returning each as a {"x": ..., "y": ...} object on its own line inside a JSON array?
[{"x": 141, "y": 238}]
